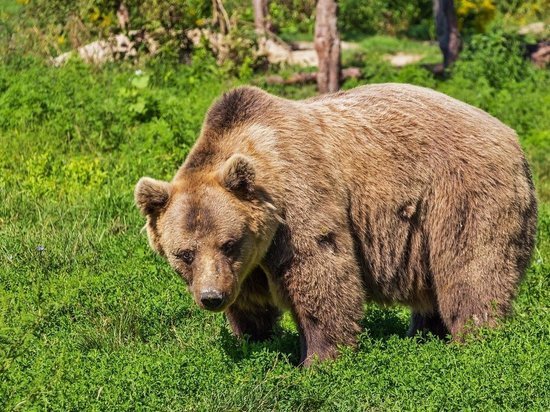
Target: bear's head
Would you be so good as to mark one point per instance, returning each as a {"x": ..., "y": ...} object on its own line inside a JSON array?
[{"x": 213, "y": 227}]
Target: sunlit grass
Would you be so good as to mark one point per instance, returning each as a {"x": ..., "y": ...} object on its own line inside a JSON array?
[{"x": 91, "y": 319}]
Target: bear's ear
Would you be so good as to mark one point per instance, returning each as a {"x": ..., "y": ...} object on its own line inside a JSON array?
[
  {"x": 151, "y": 195},
  {"x": 238, "y": 176}
]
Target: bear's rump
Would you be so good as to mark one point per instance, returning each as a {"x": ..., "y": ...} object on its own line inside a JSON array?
[{"x": 407, "y": 249}]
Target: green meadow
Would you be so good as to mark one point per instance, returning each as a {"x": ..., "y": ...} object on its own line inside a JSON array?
[{"x": 92, "y": 319}]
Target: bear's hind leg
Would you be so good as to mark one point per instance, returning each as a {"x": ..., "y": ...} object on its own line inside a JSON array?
[
  {"x": 464, "y": 305},
  {"x": 479, "y": 244},
  {"x": 425, "y": 324}
]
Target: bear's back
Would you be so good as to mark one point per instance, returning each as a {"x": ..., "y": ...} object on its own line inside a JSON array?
[
  {"x": 416, "y": 107},
  {"x": 391, "y": 127}
]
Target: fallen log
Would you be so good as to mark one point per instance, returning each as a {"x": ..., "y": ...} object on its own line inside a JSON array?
[
  {"x": 303, "y": 78},
  {"x": 540, "y": 53}
]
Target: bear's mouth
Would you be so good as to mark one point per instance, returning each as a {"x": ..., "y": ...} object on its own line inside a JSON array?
[{"x": 217, "y": 310}]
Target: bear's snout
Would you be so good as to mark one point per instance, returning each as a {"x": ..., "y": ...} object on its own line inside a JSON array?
[{"x": 212, "y": 299}]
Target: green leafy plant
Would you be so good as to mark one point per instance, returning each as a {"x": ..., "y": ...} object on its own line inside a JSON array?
[{"x": 92, "y": 319}]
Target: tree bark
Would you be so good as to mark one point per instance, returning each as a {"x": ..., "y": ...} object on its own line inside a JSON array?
[
  {"x": 123, "y": 16},
  {"x": 447, "y": 30},
  {"x": 220, "y": 17},
  {"x": 539, "y": 53},
  {"x": 261, "y": 23},
  {"x": 327, "y": 45}
]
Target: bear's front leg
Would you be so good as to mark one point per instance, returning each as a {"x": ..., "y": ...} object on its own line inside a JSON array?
[
  {"x": 253, "y": 314},
  {"x": 326, "y": 295},
  {"x": 255, "y": 322}
]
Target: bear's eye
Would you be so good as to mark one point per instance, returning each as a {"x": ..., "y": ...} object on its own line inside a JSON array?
[
  {"x": 228, "y": 248},
  {"x": 186, "y": 256}
]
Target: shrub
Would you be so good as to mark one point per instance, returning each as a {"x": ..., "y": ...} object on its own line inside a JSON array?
[
  {"x": 78, "y": 21},
  {"x": 496, "y": 57},
  {"x": 382, "y": 16},
  {"x": 474, "y": 15},
  {"x": 292, "y": 17},
  {"x": 521, "y": 12}
]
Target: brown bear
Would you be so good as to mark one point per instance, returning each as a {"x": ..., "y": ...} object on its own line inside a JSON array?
[{"x": 389, "y": 193}]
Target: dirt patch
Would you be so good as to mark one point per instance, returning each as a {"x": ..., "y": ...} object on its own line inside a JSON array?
[{"x": 402, "y": 59}]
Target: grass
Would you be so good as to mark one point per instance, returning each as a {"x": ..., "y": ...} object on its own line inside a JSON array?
[
  {"x": 380, "y": 45},
  {"x": 91, "y": 319}
]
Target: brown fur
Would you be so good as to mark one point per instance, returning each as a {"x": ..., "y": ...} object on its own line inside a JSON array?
[{"x": 390, "y": 193}]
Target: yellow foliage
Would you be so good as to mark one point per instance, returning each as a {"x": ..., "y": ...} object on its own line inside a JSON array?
[
  {"x": 95, "y": 14},
  {"x": 475, "y": 13},
  {"x": 106, "y": 22}
]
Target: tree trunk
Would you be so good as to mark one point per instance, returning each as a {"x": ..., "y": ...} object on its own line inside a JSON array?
[
  {"x": 220, "y": 17},
  {"x": 123, "y": 16},
  {"x": 261, "y": 23},
  {"x": 447, "y": 30},
  {"x": 327, "y": 45}
]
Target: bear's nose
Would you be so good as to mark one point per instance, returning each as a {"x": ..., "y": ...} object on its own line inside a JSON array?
[{"x": 212, "y": 299}]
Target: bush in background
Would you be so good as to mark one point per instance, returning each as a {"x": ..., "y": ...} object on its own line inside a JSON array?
[
  {"x": 384, "y": 16},
  {"x": 474, "y": 15}
]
